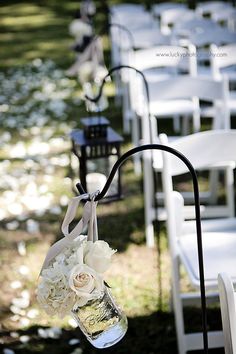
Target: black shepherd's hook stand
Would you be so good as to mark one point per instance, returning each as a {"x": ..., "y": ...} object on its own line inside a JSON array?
[
  {"x": 190, "y": 167},
  {"x": 95, "y": 99}
]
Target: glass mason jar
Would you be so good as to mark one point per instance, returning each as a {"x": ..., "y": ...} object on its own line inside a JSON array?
[{"x": 101, "y": 320}]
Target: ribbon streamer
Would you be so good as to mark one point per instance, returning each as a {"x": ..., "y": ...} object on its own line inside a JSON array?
[{"x": 89, "y": 217}]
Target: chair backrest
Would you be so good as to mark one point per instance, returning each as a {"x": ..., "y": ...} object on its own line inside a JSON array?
[
  {"x": 203, "y": 149},
  {"x": 126, "y": 8},
  {"x": 188, "y": 26},
  {"x": 146, "y": 37},
  {"x": 222, "y": 57},
  {"x": 165, "y": 56},
  {"x": 134, "y": 20},
  {"x": 158, "y": 9},
  {"x": 218, "y": 36},
  {"x": 228, "y": 312},
  {"x": 186, "y": 86},
  {"x": 171, "y": 16},
  {"x": 149, "y": 37}
]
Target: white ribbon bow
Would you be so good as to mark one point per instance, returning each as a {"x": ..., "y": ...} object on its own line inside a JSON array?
[{"x": 89, "y": 217}]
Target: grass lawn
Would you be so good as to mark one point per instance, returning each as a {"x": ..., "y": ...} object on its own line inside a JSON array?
[{"x": 39, "y": 107}]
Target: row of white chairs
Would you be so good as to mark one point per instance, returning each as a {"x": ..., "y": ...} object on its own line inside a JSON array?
[
  {"x": 178, "y": 91},
  {"x": 205, "y": 151},
  {"x": 168, "y": 12},
  {"x": 145, "y": 35},
  {"x": 181, "y": 99}
]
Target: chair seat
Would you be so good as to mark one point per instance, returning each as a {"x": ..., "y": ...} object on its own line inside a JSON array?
[
  {"x": 222, "y": 224},
  {"x": 219, "y": 249},
  {"x": 171, "y": 107}
]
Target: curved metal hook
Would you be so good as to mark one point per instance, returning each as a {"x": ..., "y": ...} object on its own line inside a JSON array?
[
  {"x": 191, "y": 169},
  {"x": 110, "y": 72}
]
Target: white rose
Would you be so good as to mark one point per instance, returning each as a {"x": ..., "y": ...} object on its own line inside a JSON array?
[
  {"x": 86, "y": 283},
  {"x": 97, "y": 255}
]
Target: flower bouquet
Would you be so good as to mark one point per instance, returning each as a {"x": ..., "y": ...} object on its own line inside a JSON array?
[{"x": 72, "y": 281}]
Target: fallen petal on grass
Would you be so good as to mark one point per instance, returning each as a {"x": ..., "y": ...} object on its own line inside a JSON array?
[
  {"x": 22, "y": 303},
  {"x": 74, "y": 341},
  {"x": 21, "y": 248},
  {"x": 16, "y": 284},
  {"x": 24, "y": 339},
  {"x": 24, "y": 322},
  {"x": 13, "y": 225},
  {"x": 24, "y": 270}
]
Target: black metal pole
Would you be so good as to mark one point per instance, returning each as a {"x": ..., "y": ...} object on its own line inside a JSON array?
[{"x": 191, "y": 169}]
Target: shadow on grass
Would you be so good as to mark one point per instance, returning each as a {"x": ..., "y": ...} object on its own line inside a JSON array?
[
  {"x": 146, "y": 335},
  {"x": 150, "y": 334}
]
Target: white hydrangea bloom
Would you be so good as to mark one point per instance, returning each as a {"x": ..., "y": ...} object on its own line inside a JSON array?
[{"x": 74, "y": 276}]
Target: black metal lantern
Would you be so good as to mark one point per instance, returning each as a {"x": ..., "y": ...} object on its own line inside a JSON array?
[{"x": 97, "y": 147}]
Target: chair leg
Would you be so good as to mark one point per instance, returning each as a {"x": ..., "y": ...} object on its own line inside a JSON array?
[
  {"x": 118, "y": 86},
  {"x": 213, "y": 186},
  {"x": 135, "y": 140},
  {"x": 229, "y": 181},
  {"x": 148, "y": 199},
  {"x": 126, "y": 109},
  {"x": 176, "y": 124},
  {"x": 185, "y": 126},
  {"x": 196, "y": 116},
  {"x": 178, "y": 308}
]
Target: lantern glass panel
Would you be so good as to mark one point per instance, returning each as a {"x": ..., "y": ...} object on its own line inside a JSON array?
[{"x": 97, "y": 172}]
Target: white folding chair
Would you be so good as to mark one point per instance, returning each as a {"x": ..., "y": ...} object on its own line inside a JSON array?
[
  {"x": 156, "y": 63},
  {"x": 228, "y": 312},
  {"x": 179, "y": 95},
  {"x": 209, "y": 206},
  {"x": 219, "y": 238}
]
